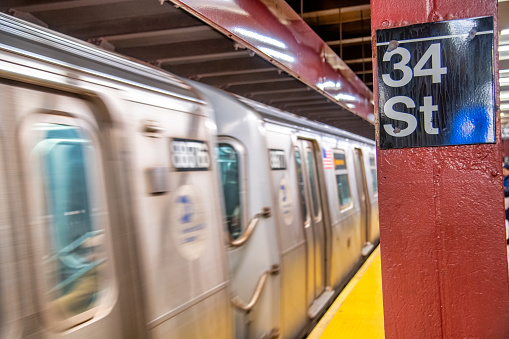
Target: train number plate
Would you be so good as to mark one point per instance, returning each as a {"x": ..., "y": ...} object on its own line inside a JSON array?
[
  {"x": 277, "y": 159},
  {"x": 189, "y": 155}
]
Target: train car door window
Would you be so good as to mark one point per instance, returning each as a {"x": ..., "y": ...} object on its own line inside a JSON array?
[
  {"x": 341, "y": 173},
  {"x": 228, "y": 160},
  {"x": 363, "y": 193},
  {"x": 372, "y": 166},
  {"x": 312, "y": 182},
  {"x": 64, "y": 164},
  {"x": 315, "y": 229},
  {"x": 302, "y": 192}
]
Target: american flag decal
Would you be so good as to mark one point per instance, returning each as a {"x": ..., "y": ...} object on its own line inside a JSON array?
[{"x": 327, "y": 159}]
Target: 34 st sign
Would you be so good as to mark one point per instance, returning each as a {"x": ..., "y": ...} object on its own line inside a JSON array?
[{"x": 435, "y": 84}]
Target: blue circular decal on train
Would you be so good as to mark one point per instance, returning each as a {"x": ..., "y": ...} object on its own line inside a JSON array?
[
  {"x": 285, "y": 202},
  {"x": 187, "y": 217}
]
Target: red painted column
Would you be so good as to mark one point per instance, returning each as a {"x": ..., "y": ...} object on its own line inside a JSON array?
[{"x": 442, "y": 234}]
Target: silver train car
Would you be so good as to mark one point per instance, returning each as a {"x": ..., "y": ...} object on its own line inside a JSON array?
[
  {"x": 319, "y": 185},
  {"x": 139, "y": 205}
]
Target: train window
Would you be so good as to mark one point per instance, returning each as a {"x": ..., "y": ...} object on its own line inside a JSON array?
[
  {"x": 228, "y": 159},
  {"x": 372, "y": 166},
  {"x": 301, "y": 186},
  {"x": 341, "y": 173},
  {"x": 312, "y": 181},
  {"x": 75, "y": 260}
]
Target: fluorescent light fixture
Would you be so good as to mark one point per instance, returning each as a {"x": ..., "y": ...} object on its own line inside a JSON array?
[
  {"x": 345, "y": 97},
  {"x": 327, "y": 84},
  {"x": 277, "y": 55},
  {"x": 330, "y": 85},
  {"x": 257, "y": 36}
]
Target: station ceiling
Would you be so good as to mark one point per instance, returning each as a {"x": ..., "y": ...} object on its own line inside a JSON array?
[
  {"x": 162, "y": 34},
  {"x": 346, "y": 27}
]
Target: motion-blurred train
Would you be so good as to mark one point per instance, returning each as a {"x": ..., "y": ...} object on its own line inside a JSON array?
[{"x": 135, "y": 204}]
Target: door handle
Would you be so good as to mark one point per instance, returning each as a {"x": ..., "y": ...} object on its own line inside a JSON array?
[
  {"x": 246, "y": 307},
  {"x": 265, "y": 213}
]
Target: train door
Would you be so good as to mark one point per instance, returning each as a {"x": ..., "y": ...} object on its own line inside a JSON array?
[
  {"x": 314, "y": 227},
  {"x": 364, "y": 201},
  {"x": 68, "y": 216}
]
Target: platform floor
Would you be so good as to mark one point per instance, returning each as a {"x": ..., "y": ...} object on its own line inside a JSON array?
[{"x": 357, "y": 312}]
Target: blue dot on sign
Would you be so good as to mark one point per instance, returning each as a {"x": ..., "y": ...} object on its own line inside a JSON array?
[{"x": 472, "y": 125}]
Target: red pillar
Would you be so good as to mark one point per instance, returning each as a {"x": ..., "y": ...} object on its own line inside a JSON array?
[{"x": 442, "y": 234}]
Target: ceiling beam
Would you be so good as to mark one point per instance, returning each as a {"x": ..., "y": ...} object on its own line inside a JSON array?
[
  {"x": 237, "y": 72},
  {"x": 163, "y": 37},
  {"x": 338, "y": 15},
  {"x": 285, "y": 91},
  {"x": 332, "y": 11},
  {"x": 307, "y": 102},
  {"x": 195, "y": 51},
  {"x": 129, "y": 25},
  {"x": 268, "y": 86},
  {"x": 358, "y": 61},
  {"x": 318, "y": 108},
  {"x": 247, "y": 78},
  {"x": 190, "y": 59},
  {"x": 224, "y": 66},
  {"x": 53, "y": 6},
  {"x": 360, "y": 40},
  {"x": 293, "y": 97}
]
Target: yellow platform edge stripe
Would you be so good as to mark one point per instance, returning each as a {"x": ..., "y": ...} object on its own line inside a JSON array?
[{"x": 334, "y": 308}]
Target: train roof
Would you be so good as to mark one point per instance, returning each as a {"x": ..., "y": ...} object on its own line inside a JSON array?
[
  {"x": 34, "y": 41},
  {"x": 276, "y": 115}
]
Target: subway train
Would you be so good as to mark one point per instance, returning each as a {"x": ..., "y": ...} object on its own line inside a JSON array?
[{"x": 136, "y": 204}]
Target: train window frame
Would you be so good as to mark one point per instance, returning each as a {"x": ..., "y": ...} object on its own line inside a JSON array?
[
  {"x": 373, "y": 174},
  {"x": 306, "y": 218},
  {"x": 37, "y": 201},
  {"x": 316, "y": 198},
  {"x": 344, "y": 171},
  {"x": 239, "y": 148}
]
